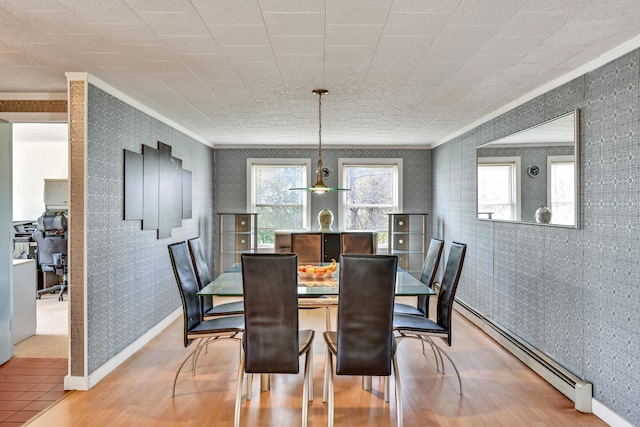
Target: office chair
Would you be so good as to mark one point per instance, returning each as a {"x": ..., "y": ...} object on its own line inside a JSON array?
[{"x": 51, "y": 238}]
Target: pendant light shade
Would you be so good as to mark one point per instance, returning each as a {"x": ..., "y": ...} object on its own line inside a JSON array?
[{"x": 320, "y": 187}]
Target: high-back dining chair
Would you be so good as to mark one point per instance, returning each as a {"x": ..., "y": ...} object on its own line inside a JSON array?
[
  {"x": 204, "y": 277},
  {"x": 423, "y": 328},
  {"x": 195, "y": 328},
  {"x": 308, "y": 247},
  {"x": 354, "y": 242},
  {"x": 427, "y": 276},
  {"x": 272, "y": 342},
  {"x": 364, "y": 343}
]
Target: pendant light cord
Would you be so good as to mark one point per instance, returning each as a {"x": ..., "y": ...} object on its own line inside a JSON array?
[{"x": 320, "y": 126}]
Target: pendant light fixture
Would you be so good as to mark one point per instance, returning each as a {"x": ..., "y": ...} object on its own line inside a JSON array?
[{"x": 320, "y": 187}]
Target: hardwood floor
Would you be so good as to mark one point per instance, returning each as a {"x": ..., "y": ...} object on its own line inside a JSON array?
[{"x": 499, "y": 390}]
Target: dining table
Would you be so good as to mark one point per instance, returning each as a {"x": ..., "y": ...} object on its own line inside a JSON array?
[
  {"x": 314, "y": 291},
  {"x": 311, "y": 286}
]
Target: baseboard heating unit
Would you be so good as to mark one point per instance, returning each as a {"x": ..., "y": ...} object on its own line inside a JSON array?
[{"x": 579, "y": 391}]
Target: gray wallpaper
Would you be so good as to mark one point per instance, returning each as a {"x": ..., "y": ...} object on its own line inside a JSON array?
[
  {"x": 231, "y": 176},
  {"x": 573, "y": 294},
  {"x": 130, "y": 282}
]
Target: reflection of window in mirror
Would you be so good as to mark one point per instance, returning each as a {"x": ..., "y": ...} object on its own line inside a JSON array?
[
  {"x": 499, "y": 188},
  {"x": 560, "y": 179}
]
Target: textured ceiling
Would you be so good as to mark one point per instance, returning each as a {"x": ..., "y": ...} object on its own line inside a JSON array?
[{"x": 403, "y": 72}]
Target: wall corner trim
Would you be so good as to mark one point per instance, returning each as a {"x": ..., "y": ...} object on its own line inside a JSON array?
[
  {"x": 77, "y": 76},
  {"x": 87, "y": 382}
]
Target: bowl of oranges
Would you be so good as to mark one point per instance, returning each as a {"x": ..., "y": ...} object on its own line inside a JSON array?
[{"x": 318, "y": 271}]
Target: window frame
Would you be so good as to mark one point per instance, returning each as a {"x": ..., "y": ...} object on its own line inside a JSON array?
[
  {"x": 369, "y": 162},
  {"x": 305, "y": 163},
  {"x": 560, "y": 159},
  {"x": 515, "y": 162}
]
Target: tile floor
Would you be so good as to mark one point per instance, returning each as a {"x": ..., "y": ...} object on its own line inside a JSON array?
[{"x": 27, "y": 386}]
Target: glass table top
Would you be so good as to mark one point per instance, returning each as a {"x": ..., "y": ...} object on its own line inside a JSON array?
[{"x": 229, "y": 283}]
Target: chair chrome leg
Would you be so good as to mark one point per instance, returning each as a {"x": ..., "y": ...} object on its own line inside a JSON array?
[
  {"x": 307, "y": 395},
  {"x": 331, "y": 391},
  {"x": 366, "y": 382},
  {"x": 386, "y": 387},
  {"x": 236, "y": 415},
  {"x": 436, "y": 348},
  {"x": 441, "y": 351},
  {"x": 310, "y": 374},
  {"x": 436, "y": 355},
  {"x": 249, "y": 380},
  {"x": 184, "y": 361},
  {"x": 203, "y": 344},
  {"x": 265, "y": 382},
  {"x": 175, "y": 379},
  {"x": 325, "y": 382},
  {"x": 327, "y": 319},
  {"x": 396, "y": 374},
  {"x": 195, "y": 358}
]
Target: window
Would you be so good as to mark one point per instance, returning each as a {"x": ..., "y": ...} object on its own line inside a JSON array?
[
  {"x": 561, "y": 179},
  {"x": 376, "y": 190},
  {"x": 499, "y": 188},
  {"x": 269, "y": 195}
]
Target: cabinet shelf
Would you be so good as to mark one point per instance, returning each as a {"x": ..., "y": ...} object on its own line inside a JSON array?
[
  {"x": 408, "y": 236},
  {"x": 237, "y": 235}
]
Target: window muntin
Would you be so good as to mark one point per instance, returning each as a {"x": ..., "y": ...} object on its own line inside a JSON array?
[{"x": 278, "y": 207}]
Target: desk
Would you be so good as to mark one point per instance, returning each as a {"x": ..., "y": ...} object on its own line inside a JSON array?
[
  {"x": 24, "y": 299},
  {"x": 229, "y": 284}
]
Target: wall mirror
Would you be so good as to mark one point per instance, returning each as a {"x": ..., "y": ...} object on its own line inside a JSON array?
[{"x": 532, "y": 176}]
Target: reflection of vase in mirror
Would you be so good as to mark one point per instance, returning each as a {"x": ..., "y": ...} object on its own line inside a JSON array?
[
  {"x": 325, "y": 219},
  {"x": 543, "y": 215}
]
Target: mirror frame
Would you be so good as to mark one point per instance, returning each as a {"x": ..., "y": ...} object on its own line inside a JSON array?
[{"x": 576, "y": 178}]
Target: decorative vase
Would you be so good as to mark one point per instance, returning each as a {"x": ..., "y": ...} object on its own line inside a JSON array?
[
  {"x": 325, "y": 219},
  {"x": 543, "y": 215}
]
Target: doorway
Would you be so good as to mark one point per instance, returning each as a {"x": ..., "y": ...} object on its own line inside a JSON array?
[{"x": 40, "y": 153}]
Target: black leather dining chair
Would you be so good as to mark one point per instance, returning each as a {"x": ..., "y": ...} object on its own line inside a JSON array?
[
  {"x": 354, "y": 242},
  {"x": 308, "y": 247},
  {"x": 195, "y": 327},
  {"x": 364, "y": 343},
  {"x": 204, "y": 277},
  {"x": 272, "y": 342},
  {"x": 423, "y": 328},
  {"x": 427, "y": 276}
]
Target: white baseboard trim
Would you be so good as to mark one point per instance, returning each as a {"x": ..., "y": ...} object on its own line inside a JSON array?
[
  {"x": 583, "y": 399},
  {"x": 608, "y": 416},
  {"x": 85, "y": 383}
]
